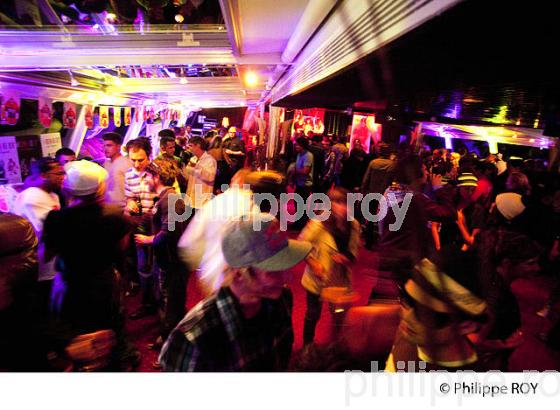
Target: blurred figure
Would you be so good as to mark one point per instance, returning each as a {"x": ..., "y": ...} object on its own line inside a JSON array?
[
  {"x": 140, "y": 194},
  {"x": 234, "y": 150},
  {"x": 519, "y": 183},
  {"x": 172, "y": 276},
  {"x": 438, "y": 310},
  {"x": 335, "y": 244},
  {"x": 19, "y": 318},
  {"x": 167, "y": 153},
  {"x": 198, "y": 247},
  {"x": 303, "y": 175},
  {"x": 354, "y": 168},
  {"x": 247, "y": 324},
  {"x": 327, "y": 176},
  {"x": 26, "y": 344},
  {"x": 341, "y": 151},
  {"x": 503, "y": 257},
  {"x": 86, "y": 291},
  {"x": 318, "y": 152},
  {"x": 65, "y": 155},
  {"x": 412, "y": 240},
  {"x": 471, "y": 217},
  {"x": 377, "y": 179},
  {"x": 201, "y": 173},
  {"x": 188, "y": 133},
  {"x": 484, "y": 171},
  {"x": 34, "y": 204},
  {"x": 116, "y": 166}
]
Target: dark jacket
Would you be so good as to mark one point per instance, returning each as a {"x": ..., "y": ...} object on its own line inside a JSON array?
[
  {"x": 378, "y": 176},
  {"x": 413, "y": 240}
]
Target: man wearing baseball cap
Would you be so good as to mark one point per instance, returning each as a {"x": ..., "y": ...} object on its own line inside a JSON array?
[
  {"x": 246, "y": 325},
  {"x": 88, "y": 240},
  {"x": 438, "y": 310}
]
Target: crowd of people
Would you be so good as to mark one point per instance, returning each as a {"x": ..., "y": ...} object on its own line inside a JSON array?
[{"x": 84, "y": 235}]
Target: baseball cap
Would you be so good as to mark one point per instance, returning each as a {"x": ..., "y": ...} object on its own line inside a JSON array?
[
  {"x": 259, "y": 243},
  {"x": 510, "y": 205},
  {"x": 83, "y": 177},
  {"x": 440, "y": 292}
]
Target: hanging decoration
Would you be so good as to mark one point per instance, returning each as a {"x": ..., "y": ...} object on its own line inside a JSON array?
[
  {"x": 104, "y": 116},
  {"x": 45, "y": 111},
  {"x": 69, "y": 115},
  {"x": 117, "y": 116},
  {"x": 10, "y": 108},
  {"x": 128, "y": 115},
  {"x": 88, "y": 117}
]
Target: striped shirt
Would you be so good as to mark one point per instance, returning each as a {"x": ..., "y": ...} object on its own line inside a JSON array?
[{"x": 140, "y": 185}]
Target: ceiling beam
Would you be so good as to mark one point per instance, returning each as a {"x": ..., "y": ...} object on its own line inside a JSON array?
[{"x": 230, "y": 12}]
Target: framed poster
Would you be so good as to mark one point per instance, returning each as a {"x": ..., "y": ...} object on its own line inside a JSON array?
[
  {"x": 29, "y": 150},
  {"x": 364, "y": 132},
  {"x": 10, "y": 171},
  {"x": 308, "y": 121},
  {"x": 50, "y": 143}
]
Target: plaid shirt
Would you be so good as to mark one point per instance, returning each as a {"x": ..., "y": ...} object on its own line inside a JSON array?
[
  {"x": 214, "y": 336},
  {"x": 140, "y": 185}
]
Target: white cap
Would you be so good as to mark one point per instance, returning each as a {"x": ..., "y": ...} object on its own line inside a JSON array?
[{"x": 83, "y": 177}]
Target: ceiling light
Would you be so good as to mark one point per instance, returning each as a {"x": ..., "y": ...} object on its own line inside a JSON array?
[
  {"x": 179, "y": 18},
  {"x": 111, "y": 17},
  {"x": 251, "y": 79},
  {"x": 183, "y": 81}
]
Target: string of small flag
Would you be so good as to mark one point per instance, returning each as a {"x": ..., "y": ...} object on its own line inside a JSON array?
[{"x": 10, "y": 106}]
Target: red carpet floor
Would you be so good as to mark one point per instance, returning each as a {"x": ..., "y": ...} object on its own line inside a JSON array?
[{"x": 532, "y": 355}]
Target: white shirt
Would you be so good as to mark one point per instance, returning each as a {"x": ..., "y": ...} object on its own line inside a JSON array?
[
  {"x": 200, "y": 245},
  {"x": 34, "y": 204},
  {"x": 201, "y": 180},
  {"x": 114, "y": 195}
]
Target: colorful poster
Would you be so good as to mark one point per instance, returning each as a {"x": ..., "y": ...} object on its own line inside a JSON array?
[
  {"x": 103, "y": 116},
  {"x": 10, "y": 171},
  {"x": 45, "y": 111},
  {"x": 50, "y": 143},
  {"x": 308, "y": 122},
  {"x": 69, "y": 115},
  {"x": 364, "y": 130},
  {"x": 29, "y": 151},
  {"x": 117, "y": 116},
  {"x": 128, "y": 115},
  {"x": 10, "y": 108}
]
